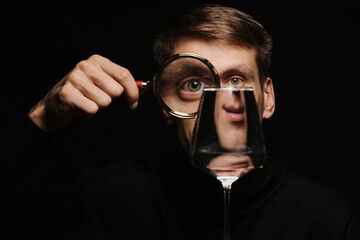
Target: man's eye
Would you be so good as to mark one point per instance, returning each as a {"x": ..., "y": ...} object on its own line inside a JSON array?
[
  {"x": 193, "y": 86},
  {"x": 235, "y": 81}
]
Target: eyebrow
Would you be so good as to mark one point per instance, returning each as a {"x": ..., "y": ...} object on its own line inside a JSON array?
[{"x": 241, "y": 69}]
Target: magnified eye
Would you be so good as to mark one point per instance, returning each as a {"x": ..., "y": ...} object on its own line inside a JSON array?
[
  {"x": 193, "y": 85},
  {"x": 235, "y": 81}
]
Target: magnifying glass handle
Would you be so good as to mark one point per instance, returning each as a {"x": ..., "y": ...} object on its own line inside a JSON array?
[{"x": 142, "y": 85}]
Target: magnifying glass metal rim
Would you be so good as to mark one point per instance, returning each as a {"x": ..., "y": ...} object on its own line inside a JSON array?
[{"x": 164, "y": 65}]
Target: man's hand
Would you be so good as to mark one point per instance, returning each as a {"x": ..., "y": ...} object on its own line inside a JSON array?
[{"x": 90, "y": 86}]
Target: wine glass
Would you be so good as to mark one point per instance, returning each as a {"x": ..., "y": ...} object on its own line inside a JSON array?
[{"x": 227, "y": 139}]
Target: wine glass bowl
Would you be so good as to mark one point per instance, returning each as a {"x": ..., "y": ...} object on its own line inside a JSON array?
[{"x": 227, "y": 140}]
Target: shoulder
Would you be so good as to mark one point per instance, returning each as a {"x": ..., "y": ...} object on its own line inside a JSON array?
[
  {"x": 312, "y": 209},
  {"x": 312, "y": 191},
  {"x": 309, "y": 198}
]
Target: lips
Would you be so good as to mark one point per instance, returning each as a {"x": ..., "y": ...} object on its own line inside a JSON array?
[
  {"x": 234, "y": 114},
  {"x": 239, "y": 165}
]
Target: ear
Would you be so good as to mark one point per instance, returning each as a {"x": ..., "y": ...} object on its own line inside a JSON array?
[
  {"x": 168, "y": 118},
  {"x": 269, "y": 98}
]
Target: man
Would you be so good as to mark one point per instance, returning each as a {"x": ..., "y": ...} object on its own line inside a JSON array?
[{"x": 167, "y": 198}]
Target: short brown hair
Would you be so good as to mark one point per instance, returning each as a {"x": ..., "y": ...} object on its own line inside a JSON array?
[{"x": 214, "y": 22}]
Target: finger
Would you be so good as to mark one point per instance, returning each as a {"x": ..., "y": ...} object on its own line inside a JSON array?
[
  {"x": 122, "y": 76},
  {"x": 76, "y": 100},
  {"x": 126, "y": 80},
  {"x": 102, "y": 80},
  {"x": 81, "y": 82},
  {"x": 107, "y": 84}
]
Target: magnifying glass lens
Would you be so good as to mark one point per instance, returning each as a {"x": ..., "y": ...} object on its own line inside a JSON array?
[{"x": 180, "y": 84}]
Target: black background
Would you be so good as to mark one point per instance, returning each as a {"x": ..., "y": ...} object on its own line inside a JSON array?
[{"x": 315, "y": 70}]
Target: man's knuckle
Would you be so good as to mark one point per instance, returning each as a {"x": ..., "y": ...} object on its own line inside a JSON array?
[
  {"x": 97, "y": 58},
  {"x": 77, "y": 80},
  {"x": 84, "y": 66},
  {"x": 123, "y": 73},
  {"x": 65, "y": 92}
]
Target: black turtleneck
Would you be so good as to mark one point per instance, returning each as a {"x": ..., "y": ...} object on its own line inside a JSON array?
[{"x": 169, "y": 199}]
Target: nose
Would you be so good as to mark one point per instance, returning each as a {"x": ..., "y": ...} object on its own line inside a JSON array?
[{"x": 235, "y": 99}]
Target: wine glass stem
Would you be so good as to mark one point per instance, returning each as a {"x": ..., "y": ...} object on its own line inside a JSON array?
[{"x": 227, "y": 189}]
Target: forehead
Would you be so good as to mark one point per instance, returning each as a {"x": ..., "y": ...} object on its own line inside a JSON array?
[{"x": 225, "y": 57}]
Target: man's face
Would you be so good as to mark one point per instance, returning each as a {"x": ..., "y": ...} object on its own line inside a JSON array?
[{"x": 235, "y": 65}]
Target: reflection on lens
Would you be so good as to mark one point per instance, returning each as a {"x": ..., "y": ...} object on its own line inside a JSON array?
[{"x": 180, "y": 83}]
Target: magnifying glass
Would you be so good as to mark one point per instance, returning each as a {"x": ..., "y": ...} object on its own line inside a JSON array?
[{"x": 179, "y": 83}]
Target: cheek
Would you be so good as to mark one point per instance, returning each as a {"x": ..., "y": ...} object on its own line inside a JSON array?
[{"x": 185, "y": 129}]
